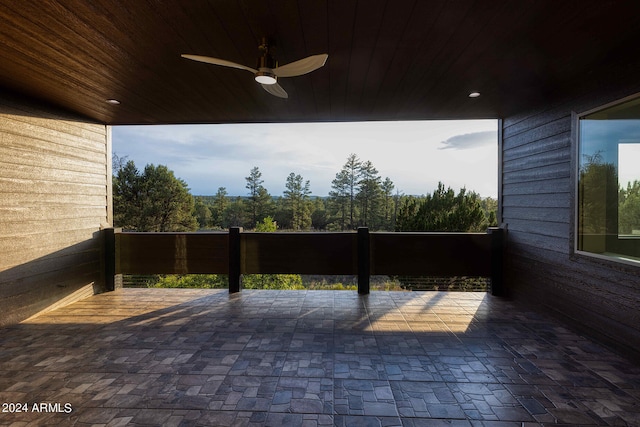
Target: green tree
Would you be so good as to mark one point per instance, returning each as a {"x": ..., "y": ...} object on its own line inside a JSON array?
[
  {"x": 319, "y": 215},
  {"x": 629, "y": 208},
  {"x": 490, "y": 208},
  {"x": 266, "y": 225},
  {"x": 234, "y": 214},
  {"x": 598, "y": 195},
  {"x": 259, "y": 201},
  {"x": 345, "y": 188},
  {"x": 220, "y": 204},
  {"x": 369, "y": 195},
  {"x": 127, "y": 196},
  {"x": 442, "y": 211},
  {"x": 387, "y": 211},
  {"x": 281, "y": 214},
  {"x": 296, "y": 198},
  {"x": 203, "y": 213},
  {"x": 168, "y": 204},
  {"x": 265, "y": 203},
  {"x": 154, "y": 200},
  {"x": 339, "y": 200}
]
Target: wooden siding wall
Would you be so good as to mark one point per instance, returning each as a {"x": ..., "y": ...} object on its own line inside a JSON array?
[
  {"x": 538, "y": 174},
  {"x": 55, "y": 192}
]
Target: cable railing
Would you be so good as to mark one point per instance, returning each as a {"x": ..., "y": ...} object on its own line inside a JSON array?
[{"x": 362, "y": 253}]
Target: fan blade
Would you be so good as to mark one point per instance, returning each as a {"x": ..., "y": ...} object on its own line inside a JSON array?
[
  {"x": 217, "y": 61},
  {"x": 276, "y": 90},
  {"x": 302, "y": 66}
]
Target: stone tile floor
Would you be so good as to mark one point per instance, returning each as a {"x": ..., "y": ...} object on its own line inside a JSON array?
[{"x": 154, "y": 357}]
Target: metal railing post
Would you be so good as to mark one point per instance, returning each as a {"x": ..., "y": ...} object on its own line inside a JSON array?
[
  {"x": 364, "y": 261},
  {"x": 234, "y": 260}
]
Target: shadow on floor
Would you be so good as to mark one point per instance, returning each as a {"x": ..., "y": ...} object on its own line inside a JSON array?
[{"x": 205, "y": 357}]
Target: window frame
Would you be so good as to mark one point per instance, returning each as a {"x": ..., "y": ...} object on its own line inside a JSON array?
[{"x": 575, "y": 228}]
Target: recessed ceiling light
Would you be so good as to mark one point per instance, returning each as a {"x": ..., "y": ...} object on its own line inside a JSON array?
[
  {"x": 113, "y": 101},
  {"x": 474, "y": 94}
]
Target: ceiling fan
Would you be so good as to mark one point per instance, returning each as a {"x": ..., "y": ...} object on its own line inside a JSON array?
[{"x": 268, "y": 71}]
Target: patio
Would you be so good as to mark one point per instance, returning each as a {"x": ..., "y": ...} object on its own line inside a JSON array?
[{"x": 207, "y": 357}]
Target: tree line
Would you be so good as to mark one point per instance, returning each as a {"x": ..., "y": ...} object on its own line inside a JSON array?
[
  {"x": 607, "y": 207},
  {"x": 154, "y": 199}
]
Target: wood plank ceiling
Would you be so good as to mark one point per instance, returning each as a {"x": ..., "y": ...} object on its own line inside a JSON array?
[{"x": 388, "y": 59}]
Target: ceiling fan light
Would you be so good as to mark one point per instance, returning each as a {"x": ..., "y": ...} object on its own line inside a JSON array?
[{"x": 266, "y": 77}]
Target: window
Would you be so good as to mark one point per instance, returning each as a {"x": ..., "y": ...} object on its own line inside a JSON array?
[{"x": 609, "y": 182}]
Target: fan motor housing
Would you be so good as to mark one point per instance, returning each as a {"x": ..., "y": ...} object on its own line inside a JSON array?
[{"x": 265, "y": 74}]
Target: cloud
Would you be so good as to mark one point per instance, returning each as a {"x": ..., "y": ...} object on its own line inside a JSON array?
[
  {"x": 212, "y": 156},
  {"x": 469, "y": 140}
]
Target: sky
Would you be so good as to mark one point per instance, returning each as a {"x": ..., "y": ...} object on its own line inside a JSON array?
[
  {"x": 415, "y": 155},
  {"x": 628, "y": 161}
]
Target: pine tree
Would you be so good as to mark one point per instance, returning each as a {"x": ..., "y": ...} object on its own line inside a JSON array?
[
  {"x": 202, "y": 213},
  {"x": 220, "y": 203},
  {"x": 387, "y": 211},
  {"x": 598, "y": 194},
  {"x": 339, "y": 199},
  {"x": 343, "y": 195},
  {"x": 235, "y": 214},
  {"x": 442, "y": 211},
  {"x": 154, "y": 200},
  {"x": 127, "y": 206},
  {"x": 296, "y": 198},
  {"x": 319, "y": 216},
  {"x": 168, "y": 204},
  {"x": 259, "y": 200},
  {"x": 369, "y": 194}
]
